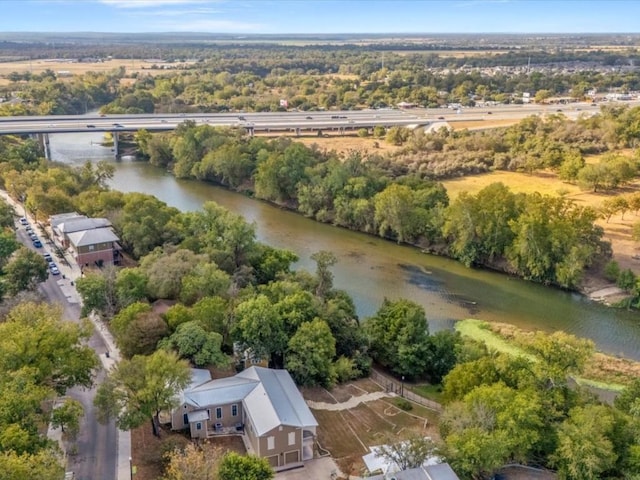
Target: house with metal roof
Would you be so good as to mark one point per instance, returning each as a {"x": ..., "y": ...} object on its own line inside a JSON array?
[
  {"x": 98, "y": 246},
  {"x": 262, "y": 405},
  {"x": 62, "y": 230}
]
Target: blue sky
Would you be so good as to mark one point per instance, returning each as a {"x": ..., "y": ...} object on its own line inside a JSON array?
[{"x": 320, "y": 16}]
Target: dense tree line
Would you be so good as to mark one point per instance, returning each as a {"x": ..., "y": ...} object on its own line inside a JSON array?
[
  {"x": 378, "y": 195},
  {"x": 504, "y": 409}
]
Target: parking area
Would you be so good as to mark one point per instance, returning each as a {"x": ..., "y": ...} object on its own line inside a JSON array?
[{"x": 316, "y": 469}]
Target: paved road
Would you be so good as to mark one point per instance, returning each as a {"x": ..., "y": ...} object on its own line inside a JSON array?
[
  {"x": 348, "y": 119},
  {"x": 97, "y": 445}
]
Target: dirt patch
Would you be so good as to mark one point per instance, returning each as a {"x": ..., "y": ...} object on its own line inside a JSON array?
[
  {"x": 348, "y": 434},
  {"x": 317, "y": 394}
]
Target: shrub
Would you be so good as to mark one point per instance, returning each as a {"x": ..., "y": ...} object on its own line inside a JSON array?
[{"x": 404, "y": 404}]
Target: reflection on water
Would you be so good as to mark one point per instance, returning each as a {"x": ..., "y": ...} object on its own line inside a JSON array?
[{"x": 371, "y": 269}]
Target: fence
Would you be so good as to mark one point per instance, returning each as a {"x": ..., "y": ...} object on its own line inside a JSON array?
[{"x": 391, "y": 385}]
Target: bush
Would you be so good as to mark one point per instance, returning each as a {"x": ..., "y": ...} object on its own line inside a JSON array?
[
  {"x": 345, "y": 369},
  {"x": 404, "y": 404},
  {"x": 612, "y": 271},
  {"x": 626, "y": 280}
]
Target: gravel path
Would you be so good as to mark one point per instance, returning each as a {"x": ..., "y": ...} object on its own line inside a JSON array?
[{"x": 351, "y": 403}]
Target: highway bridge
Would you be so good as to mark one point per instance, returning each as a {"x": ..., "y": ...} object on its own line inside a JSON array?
[{"x": 340, "y": 121}]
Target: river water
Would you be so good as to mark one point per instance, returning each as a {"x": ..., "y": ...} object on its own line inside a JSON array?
[{"x": 370, "y": 269}]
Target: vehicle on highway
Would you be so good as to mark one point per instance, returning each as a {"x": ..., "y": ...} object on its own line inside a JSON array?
[
  {"x": 163, "y": 121},
  {"x": 489, "y": 113},
  {"x": 37, "y": 243},
  {"x": 242, "y": 118},
  {"x": 91, "y": 126},
  {"x": 47, "y": 256},
  {"x": 440, "y": 118},
  {"x": 24, "y": 221},
  {"x": 54, "y": 270},
  {"x": 117, "y": 125},
  {"x": 309, "y": 118}
]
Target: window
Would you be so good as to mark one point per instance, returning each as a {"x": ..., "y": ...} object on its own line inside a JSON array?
[
  {"x": 185, "y": 419},
  {"x": 271, "y": 443},
  {"x": 292, "y": 438},
  {"x": 234, "y": 410},
  {"x": 198, "y": 426},
  {"x": 92, "y": 248},
  {"x": 218, "y": 412}
]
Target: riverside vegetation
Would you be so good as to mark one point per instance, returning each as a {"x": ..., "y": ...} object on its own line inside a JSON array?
[{"x": 224, "y": 287}]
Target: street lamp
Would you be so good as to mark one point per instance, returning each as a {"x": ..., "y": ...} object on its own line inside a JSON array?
[
  {"x": 402, "y": 387},
  {"x": 130, "y": 468}
]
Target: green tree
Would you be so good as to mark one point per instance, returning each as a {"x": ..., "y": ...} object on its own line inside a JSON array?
[
  {"x": 399, "y": 337},
  {"x": 34, "y": 336},
  {"x": 244, "y": 467},
  {"x": 139, "y": 389},
  {"x": 411, "y": 453},
  {"x": 311, "y": 353},
  {"x": 260, "y": 327},
  {"x": 324, "y": 261},
  {"x": 194, "y": 343},
  {"x": 43, "y": 465},
  {"x": 24, "y": 271},
  {"x": 68, "y": 416},
  {"x": 585, "y": 450},
  {"x": 192, "y": 463}
]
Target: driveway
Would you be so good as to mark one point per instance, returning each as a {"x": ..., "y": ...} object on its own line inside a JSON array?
[{"x": 316, "y": 469}]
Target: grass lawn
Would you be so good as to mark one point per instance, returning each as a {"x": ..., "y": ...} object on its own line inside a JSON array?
[
  {"x": 599, "y": 376},
  {"x": 432, "y": 392}
]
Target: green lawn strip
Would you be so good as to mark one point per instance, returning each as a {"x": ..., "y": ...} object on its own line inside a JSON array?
[
  {"x": 478, "y": 330},
  {"x": 432, "y": 392}
]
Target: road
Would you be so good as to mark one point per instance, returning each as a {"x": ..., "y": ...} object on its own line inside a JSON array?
[
  {"x": 97, "y": 446},
  {"x": 326, "y": 120}
]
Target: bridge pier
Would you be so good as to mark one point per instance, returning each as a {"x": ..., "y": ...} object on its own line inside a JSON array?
[
  {"x": 43, "y": 140},
  {"x": 116, "y": 144},
  {"x": 297, "y": 131},
  {"x": 250, "y": 131}
]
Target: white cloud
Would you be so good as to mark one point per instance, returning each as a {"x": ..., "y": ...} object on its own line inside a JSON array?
[
  {"x": 178, "y": 13},
  {"x": 151, "y": 3},
  {"x": 208, "y": 25}
]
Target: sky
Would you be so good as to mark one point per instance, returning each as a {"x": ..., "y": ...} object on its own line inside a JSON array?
[{"x": 321, "y": 16}]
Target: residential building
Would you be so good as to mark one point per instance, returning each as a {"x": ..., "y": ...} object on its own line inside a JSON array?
[
  {"x": 97, "y": 247},
  {"x": 262, "y": 405}
]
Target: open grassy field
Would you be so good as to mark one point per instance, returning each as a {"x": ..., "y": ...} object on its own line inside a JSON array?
[{"x": 77, "y": 68}]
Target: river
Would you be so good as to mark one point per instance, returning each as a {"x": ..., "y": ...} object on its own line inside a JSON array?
[{"x": 370, "y": 269}]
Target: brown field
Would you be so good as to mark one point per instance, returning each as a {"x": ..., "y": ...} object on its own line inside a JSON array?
[
  {"x": 617, "y": 230},
  {"x": 344, "y": 143},
  {"x": 78, "y": 68},
  {"x": 483, "y": 124},
  {"x": 348, "y": 434}
]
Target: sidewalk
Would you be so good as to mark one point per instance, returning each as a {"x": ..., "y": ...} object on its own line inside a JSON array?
[{"x": 69, "y": 274}]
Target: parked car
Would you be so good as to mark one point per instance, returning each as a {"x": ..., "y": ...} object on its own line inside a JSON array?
[
  {"x": 33, "y": 236},
  {"x": 24, "y": 221},
  {"x": 28, "y": 228},
  {"x": 54, "y": 270},
  {"x": 48, "y": 258},
  {"x": 37, "y": 243}
]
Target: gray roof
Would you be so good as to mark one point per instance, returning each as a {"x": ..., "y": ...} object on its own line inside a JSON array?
[
  {"x": 55, "y": 220},
  {"x": 220, "y": 391},
  {"x": 92, "y": 237},
  {"x": 442, "y": 471},
  {"x": 198, "y": 416},
  {"x": 285, "y": 405},
  {"x": 270, "y": 396},
  {"x": 79, "y": 224}
]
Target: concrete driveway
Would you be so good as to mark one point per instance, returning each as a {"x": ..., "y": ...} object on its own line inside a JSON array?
[{"x": 316, "y": 469}]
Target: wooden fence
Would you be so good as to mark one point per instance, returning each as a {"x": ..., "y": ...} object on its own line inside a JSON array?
[{"x": 391, "y": 385}]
